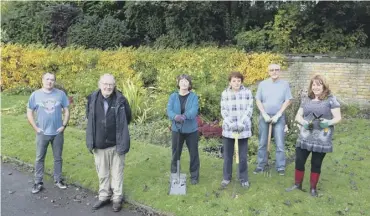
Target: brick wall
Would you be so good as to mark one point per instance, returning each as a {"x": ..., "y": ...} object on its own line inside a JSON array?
[{"x": 349, "y": 79}]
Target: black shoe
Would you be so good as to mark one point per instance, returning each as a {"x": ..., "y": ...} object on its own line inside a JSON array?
[
  {"x": 194, "y": 181},
  {"x": 313, "y": 192},
  {"x": 100, "y": 204},
  {"x": 117, "y": 206},
  {"x": 295, "y": 186},
  {"x": 37, "y": 187}
]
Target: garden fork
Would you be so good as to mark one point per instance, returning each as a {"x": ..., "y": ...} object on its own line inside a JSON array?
[{"x": 267, "y": 169}]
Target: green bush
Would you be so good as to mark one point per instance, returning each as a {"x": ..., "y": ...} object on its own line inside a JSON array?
[
  {"x": 147, "y": 72},
  {"x": 168, "y": 41},
  {"x": 78, "y": 112},
  {"x": 156, "y": 132},
  {"x": 94, "y": 32},
  {"x": 256, "y": 40}
]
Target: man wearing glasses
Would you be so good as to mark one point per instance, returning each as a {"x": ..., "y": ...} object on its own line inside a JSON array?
[
  {"x": 107, "y": 137},
  {"x": 272, "y": 98}
]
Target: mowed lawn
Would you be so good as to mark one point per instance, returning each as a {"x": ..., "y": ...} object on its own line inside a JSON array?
[{"x": 344, "y": 187}]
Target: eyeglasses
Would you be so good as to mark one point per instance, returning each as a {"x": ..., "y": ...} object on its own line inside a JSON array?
[
  {"x": 276, "y": 69},
  {"x": 108, "y": 84}
]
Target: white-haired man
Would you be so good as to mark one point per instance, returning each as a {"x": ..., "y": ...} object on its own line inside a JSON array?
[{"x": 107, "y": 137}]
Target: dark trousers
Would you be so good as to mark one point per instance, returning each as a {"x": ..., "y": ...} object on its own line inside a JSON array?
[
  {"x": 192, "y": 144},
  {"x": 42, "y": 143},
  {"x": 301, "y": 158},
  {"x": 228, "y": 145}
]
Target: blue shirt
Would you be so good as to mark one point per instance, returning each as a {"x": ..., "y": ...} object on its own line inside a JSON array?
[
  {"x": 48, "y": 107},
  {"x": 191, "y": 111},
  {"x": 273, "y": 94}
]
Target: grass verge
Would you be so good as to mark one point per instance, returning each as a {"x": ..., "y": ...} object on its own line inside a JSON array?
[{"x": 343, "y": 187}]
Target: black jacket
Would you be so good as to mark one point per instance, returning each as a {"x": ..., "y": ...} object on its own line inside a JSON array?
[{"x": 123, "y": 119}]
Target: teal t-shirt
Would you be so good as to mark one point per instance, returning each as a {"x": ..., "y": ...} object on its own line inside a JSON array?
[
  {"x": 273, "y": 94},
  {"x": 48, "y": 107}
]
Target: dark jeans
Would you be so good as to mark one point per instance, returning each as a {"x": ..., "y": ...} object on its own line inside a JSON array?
[
  {"x": 42, "y": 143},
  {"x": 192, "y": 144},
  {"x": 301, "y": 158},
  {"x": 228, "y": 145}
]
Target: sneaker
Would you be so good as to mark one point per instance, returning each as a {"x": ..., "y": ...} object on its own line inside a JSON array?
[
  {"x": 257, "y": 171},
  {"x": 245, "y": 184},
  {"x": 281, "y": 172},
  {"x": 224, "y": 183},
  {"x": 60, "y": 185},
  {"x": 37, "y": 188}
]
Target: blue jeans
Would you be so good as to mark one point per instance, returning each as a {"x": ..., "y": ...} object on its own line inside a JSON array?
[
  {"x": 42, "y": 142},
  {"x": 279, "y": 137}
]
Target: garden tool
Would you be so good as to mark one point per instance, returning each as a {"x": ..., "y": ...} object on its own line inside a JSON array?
[
  {"x": 310, "y": 124},
  {"x": 236, "y": 150},
  {"x": 267, "y": 169},
  {"x": 178, "y": 180}
]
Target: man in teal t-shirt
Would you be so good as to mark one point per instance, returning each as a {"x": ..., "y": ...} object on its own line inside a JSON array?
[{"x": 48, "y": 103}]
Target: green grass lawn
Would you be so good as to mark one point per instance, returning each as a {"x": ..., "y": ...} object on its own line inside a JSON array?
[
  {"x": 8, "y": 101},
  {"x": 344, "y": 187}
]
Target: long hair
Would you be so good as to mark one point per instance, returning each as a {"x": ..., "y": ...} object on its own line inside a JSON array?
[{"x": 318, "y": 79}]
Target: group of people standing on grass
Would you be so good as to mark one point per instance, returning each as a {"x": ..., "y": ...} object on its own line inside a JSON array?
[
  {"x": 317, "y": 115},
  {"x": 107, "y": 136}
]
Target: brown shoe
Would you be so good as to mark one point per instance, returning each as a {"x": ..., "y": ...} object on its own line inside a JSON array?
[
  {"x": 100, "y": 204},
  {"x": 117, "y": 206}
]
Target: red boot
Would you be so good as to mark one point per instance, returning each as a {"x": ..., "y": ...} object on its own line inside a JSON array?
[
  {"x": 314, "y": 179},
  {"x": 298, "y": 181}
]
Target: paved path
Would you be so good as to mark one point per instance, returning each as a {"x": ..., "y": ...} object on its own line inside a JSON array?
[{"x": 17, "y": 199}]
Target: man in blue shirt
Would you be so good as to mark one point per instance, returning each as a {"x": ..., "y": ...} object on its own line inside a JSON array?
[
  {"x": 48, "y": 103},
  {"x": 272, "y": 98}
]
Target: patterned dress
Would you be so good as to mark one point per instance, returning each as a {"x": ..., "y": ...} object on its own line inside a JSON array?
[{"x": 317, "y": 139}]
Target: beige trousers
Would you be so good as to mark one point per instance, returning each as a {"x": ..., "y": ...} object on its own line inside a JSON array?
[{"x": 109, "y": 166}]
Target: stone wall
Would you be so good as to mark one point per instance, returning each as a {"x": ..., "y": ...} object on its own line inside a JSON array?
[{"x": 349, "y": 79}]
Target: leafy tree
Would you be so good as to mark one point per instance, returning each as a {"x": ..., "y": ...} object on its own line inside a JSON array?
[{"x": 93, "y": 32}]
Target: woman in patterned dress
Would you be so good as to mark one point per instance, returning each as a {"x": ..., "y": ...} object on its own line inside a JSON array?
[{"x": 318, "y": 113}]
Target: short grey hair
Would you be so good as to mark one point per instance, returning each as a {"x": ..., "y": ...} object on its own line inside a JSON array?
[
  {"x": 51, "y": 73},
  {"x": 107, "y": 76},
  {"x": 273, "y": 65}
]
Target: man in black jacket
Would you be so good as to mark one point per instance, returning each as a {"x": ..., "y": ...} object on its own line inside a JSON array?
[{"x": 107, "y": 137}]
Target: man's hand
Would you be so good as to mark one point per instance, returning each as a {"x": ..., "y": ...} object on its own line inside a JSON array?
[
  {"x": 325, "y": 123},
  {"x": 60, "y": 130},
  {"x": 276, "y": 117},
  {"x": 179, "y": 118},
  {"x": 266, "y": 117},
  {"x": 39, "y": 130}
]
